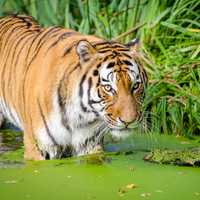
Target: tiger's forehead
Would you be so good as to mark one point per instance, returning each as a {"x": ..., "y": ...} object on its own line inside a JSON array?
[
  {"x": 105, "y": 46},
  {"x": 111, "y": 69}
]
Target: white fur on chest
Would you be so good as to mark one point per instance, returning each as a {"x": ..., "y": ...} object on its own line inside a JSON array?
[
  {"x": 58, "y": 134},
  {"x": 83, "y": 125}
]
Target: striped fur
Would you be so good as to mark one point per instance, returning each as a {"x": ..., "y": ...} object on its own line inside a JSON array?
[{"x": 65, "y": 89}]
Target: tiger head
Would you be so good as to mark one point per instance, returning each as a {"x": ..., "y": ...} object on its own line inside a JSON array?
[{"x": 114, "y": 82}]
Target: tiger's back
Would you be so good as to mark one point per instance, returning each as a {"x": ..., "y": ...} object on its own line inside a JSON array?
[
  {"x": 25, "y": 45},
  {"x": 12, "y": 31}
]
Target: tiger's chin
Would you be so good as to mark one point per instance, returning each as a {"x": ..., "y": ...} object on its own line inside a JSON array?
[{"x": 121, "y": 133}]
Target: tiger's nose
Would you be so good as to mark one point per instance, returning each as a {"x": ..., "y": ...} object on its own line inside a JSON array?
[{"x": 126, "y": 123}]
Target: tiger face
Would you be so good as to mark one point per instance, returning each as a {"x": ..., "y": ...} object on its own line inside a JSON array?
[{"x": 115, "y": 85}]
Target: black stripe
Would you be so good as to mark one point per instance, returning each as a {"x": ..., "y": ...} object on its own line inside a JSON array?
[
  {"x": 90, "y": 102},
  {"x": 61, "y": 98},
  {"x": 122, "y": 49},
  {"x": 7, "y": 27},
  {"x": 105, "y": 50},
  {"x": 127, "y": 62},
  {"x": 97, "y": 44},
  {"x": 105, "y": 80},
  {"x": 39, "y": 45},
  {"x": 81, "y": 85},
  {"x": 95, "y": 72},
  {"x": 84, "y": 109},
  {"x": 120, "y": 46},
  {"x": 126, "y": 55},
  {"x": 5, "y": 23},
  {"x": 45, "y": 124},
  {"x": 42, "y": 41},
  {"x": 111, "y": 49},
  {"x": 98, "y": 93},
  {"x": 61, "y": 103},
  {"x": 68, "y": 50},
  {"x": 20, "y": 38},
  {"x": 26, "y": 69},
  {"x": 65, "y": 76},
  {"x": 28, "y": 20},
  {"x": 119, "y": 62},
  {"x": 75, "y": 68},
  {"x": 106, "y": 58},
  {"x": 7, "y": 56},
  {"x": 88, "y": 91},
  {"x": 99, "y": 65},
  {"x": 11, "y": 74},
  {"x": 61, "y": 37},
  {"x": 10, "y": 34},
  {"x": 30, "y": 47},
  {"x": 110, "y": 65},
  {"x": 19, "y": 53}
]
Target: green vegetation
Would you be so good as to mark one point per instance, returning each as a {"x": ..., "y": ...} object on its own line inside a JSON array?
[{"x": 169, "y": 31}]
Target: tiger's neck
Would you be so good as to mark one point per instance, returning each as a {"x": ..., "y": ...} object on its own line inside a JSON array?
[
  {"x": 74, "y": 117},
  {"x": 75, "y": 112}
]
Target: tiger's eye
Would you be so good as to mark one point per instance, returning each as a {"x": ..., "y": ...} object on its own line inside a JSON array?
[
  {"x": 108, "y": 88},
  {"x": 135, "y": 86}
]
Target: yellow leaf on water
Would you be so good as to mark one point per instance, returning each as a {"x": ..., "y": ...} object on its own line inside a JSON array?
[{"x": 131, "y": 186}]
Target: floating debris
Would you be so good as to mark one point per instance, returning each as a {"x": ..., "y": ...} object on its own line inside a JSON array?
[
  {"x": 145, "y": 195},
  {"x": 126, "y": 188},
  {"x": 131, "y": 186}
]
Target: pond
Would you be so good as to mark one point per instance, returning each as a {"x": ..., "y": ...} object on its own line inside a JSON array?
[{"x": 120, "y": 173}]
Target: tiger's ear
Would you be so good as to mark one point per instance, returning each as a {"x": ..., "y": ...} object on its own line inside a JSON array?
[
  {"x": 85, "y": 50},
  {"x": 134, "y": 45}
]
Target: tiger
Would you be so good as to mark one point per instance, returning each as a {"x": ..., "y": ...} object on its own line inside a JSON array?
[{"x": 66, "y": 90}]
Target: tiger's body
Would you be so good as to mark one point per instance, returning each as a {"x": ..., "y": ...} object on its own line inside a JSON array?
[{"x": 53, "y": 86}]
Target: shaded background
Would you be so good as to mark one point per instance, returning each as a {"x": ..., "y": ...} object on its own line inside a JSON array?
[{"x": 169, "y": 31}]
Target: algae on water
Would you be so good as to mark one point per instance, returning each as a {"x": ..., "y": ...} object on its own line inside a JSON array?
[{"x": 188, "y": 157}]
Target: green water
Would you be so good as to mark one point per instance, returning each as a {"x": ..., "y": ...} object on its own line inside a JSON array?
[{"x": 86, "y": 179}]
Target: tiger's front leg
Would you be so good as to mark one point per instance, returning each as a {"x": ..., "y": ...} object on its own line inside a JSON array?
[
  {"x": 86, "y": 143},
  {"x": 35, "y": 150},
  {"x": 31, "y": 150}
]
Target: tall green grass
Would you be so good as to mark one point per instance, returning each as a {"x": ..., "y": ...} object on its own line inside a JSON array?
[{"x": 169, "y": 31}]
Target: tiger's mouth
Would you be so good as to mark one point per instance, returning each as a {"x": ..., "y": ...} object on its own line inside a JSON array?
[{"x": 122, "y": 127}]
